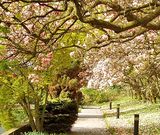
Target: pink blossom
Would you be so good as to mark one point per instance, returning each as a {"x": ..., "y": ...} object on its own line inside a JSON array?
[
  {"x": 38, "y": 68},
  {"x": 72, "y": 54},
  {"x": 49, "y": 55},
  {"x": 34, "y": 78},
  {"x": 45, "y": 62}
]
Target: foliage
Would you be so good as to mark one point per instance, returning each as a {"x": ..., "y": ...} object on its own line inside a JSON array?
[
  {"x": 68, "y": 81},
  {"x": 59, "y": 116},
  {"x": 20, "y": 116},
  {"x": 94, "y": 96},
  {"x": 11, "y": 118},
  {"x": 35, "y": 133},
  {"x": 7, "y": 119},
  {"x": 27, "y": 84},
  {"x": 41, "y": 133},
  {"x": 34, "y": 25},
  {"x": 133, "y": 64}
]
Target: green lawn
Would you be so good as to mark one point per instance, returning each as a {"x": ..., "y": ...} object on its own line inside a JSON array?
[{"x": 149, "y": 117}]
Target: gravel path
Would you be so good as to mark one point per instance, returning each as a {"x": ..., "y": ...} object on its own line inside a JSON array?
[{"x": 90, "y": 122}]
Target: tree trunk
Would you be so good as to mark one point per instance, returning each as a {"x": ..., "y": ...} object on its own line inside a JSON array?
[
  {"x": 29, "y": 114},
  {"x": 44, "y": 107}
]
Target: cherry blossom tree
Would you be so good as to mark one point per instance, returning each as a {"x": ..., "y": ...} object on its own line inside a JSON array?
[
  {"x": 43, "y": 23},
  {"x": 134, "y": 64},
  {"x": 34, "y": 32}
]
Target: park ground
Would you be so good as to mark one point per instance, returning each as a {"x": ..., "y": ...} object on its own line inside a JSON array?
[{"x": 149, "y": 116}]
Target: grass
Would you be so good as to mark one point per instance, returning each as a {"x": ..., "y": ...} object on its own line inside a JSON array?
[{"x": 149, "y": 117}]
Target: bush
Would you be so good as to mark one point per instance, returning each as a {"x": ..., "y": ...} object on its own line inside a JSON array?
[
  {"x": 93, "y": 96},
  {"x": 35, "y": 133},
  {"x": 40, "y": 133},
  {"x": 60, "y": 116}
]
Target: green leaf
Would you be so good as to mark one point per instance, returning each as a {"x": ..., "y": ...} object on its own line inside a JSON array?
[
  {"x": 2, "y": 47},
  {"x": 4, "y": 29},
  {"x": 18, "y": 15},
  {"x": 3, "y": 65}
]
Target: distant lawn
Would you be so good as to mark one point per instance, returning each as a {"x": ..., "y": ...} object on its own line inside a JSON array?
[{"x": 149, "y": 117}]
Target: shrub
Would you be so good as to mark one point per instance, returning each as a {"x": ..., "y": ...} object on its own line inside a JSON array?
[
  {"x": 35, "y": 133},
  {"x": 92, "y": 96},
  {"x": 41, "y": 133},
  {"x": 60, "y": 116}
]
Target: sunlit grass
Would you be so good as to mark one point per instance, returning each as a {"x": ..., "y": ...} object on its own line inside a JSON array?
[{"x": 149, "y": 116}]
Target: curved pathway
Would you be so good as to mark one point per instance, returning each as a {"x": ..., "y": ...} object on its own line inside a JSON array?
[{"x": 90, "y": 122}]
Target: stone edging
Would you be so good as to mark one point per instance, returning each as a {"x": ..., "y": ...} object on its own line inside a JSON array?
[{"x": 18, "y": 131}]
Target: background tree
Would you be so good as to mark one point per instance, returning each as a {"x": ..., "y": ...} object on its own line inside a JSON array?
[{"x": 134, "y": 64}]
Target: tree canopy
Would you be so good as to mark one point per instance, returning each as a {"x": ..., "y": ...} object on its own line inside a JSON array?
[
  {"x": 39, "y": 39},
  {"x": 35, "y": 26}
]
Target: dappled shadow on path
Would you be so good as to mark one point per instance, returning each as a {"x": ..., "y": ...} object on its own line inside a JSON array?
[
  {"x": 90, "y": 116},
  {"x": 89, "y": 131},
  {"x": 90, "y": 122}
]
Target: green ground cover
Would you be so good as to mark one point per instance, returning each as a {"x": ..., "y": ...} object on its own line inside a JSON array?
[
  {"x": 99, "y": 97},
  {"x": 149, "y": 117},
  {"x": 40, "y": 133}
]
